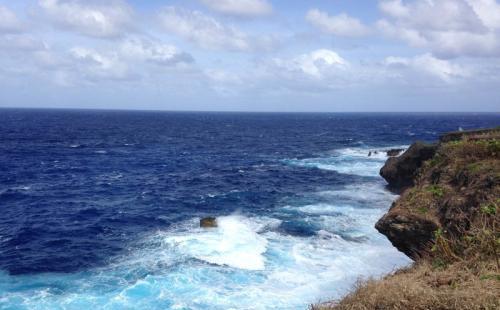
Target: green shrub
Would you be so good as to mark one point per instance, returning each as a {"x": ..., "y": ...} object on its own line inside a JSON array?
[
  {"x": 436, "y": 190},
  {"x": 489, "y": 209}
]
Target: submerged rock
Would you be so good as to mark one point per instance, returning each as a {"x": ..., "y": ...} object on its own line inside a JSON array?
[
  {"x": 208, "y": 222},
  {"x": 400, "y": 171}
]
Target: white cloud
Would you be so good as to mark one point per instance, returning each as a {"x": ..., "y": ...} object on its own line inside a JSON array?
[
  {"x": 96, "y": 19},
  {"x": 394, "y": 8},
  {"x": 449, "y": 28},
  {"x": 155, "y": 52},
  {"x": 8, "y": 21},
  {"x": 316, "y": 64},
  {"x": 245, "y": 8},
  {"x": 203, "y": 30},
  {"x": 488, "y": 11},
  {"x": 95, "y": 66},
  {"x": 341, "y": 25},
  {"x": 209, "y": 33},
  {"x": 428, "y": 65}
]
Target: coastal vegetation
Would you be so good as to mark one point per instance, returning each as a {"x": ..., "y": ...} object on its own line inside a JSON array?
[{"x": 447, "y": 219}]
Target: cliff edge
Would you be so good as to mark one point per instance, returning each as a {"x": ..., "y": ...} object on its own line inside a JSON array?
[{"x": 447, "y": 220}]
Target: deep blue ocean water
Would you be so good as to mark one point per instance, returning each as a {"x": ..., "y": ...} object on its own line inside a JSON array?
[{"x": 101, "y": 208}]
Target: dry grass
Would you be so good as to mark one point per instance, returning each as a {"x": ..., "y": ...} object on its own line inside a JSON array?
[{"x": 426, "y": 287}]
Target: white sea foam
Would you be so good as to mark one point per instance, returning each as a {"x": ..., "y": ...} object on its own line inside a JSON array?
[
  {"x": 349, "y": 160},
  {"x": 244, "y": 265},
  {"x": 235, "y": 242}
]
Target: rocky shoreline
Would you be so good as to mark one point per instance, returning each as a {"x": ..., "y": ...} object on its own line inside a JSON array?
[{"x": 447, "y": 220}]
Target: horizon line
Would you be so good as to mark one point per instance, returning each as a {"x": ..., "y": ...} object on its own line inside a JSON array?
[{"x": 239, "y": 111}]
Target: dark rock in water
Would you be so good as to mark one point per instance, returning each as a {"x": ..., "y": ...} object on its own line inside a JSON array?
[
  {"x": 410, "y": 234},
  {"x": 394, "y": 152},
  {"x": 400, "y": 171},
  {"x": 369, "y": 153},
  {"x": 208, "y": 222}
]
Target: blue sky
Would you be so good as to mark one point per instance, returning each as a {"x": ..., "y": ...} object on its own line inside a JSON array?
[{"x": 251, "y": 55}]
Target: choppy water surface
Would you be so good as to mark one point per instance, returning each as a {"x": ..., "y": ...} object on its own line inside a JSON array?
[{"x": 100, "y": 209}]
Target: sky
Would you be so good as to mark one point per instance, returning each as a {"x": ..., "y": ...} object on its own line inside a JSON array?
[{"x": 252, "y": 55}]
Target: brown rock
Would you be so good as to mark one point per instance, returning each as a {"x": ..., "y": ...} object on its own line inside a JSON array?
[
  {"x": 410, "y": 234},
  {"x": 208, "y": 222},
  {"x": 400, "y": 171}
]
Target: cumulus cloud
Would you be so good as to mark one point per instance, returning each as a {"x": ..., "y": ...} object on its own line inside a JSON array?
[
  {"x": 146, "y": 50},
  {"x": 243, "y": 8},
  {"x": 202, "y": 29},
  {"x": 133, "y": 58},
  {"x": 428, "y": 65},
  {"x": 96, "y": 66},
  {"x": 317, "y": 64},
  {"x": 209, "y": 33},
  {"x": 341, "y": 25},
  {"x": 108, "y": 19},
  {"x": 488, "y": 11},
  {"x": 8, "y": 21},
  {"x": 449, "y": 28}
]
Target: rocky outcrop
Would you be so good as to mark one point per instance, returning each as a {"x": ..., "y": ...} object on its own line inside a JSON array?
[
  {"x": 208, "y": 222},
  {"x": 446, "y": 189},
  {"x": 400, "y": 171},
  {"x": 410, "y": 234}
]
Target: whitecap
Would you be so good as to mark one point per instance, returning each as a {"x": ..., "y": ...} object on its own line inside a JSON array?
[
  {"x": 354, "y": 161},
  {"x": 235, "y": 243}
]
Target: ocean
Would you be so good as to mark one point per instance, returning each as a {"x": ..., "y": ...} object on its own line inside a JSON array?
[{"x": 101, "y": 209}]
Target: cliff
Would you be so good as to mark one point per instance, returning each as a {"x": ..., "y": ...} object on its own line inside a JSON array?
[
  {"x": 447, "y": 220},
  {"x": 452, "y": 188}
]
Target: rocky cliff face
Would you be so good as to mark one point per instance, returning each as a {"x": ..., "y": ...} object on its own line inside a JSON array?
[
  {"x": 445, "y": 188},
  {"x": 400, "y": 172}
]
